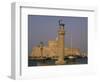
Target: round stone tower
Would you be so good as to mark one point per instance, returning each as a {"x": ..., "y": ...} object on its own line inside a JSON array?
[{"x": 61, "y": 41}]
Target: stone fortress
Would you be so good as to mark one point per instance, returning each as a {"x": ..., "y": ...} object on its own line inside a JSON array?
[{"x": 55, "y": 49}]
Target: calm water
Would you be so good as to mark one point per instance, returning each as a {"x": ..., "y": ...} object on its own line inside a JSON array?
[{"x": 52, "y": 62}]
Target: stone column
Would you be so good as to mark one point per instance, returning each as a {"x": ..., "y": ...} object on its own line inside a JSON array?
[{"x": 41, "y": 49}]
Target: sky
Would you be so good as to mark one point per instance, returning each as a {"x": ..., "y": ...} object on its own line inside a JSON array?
[{"x": 44, "y": 28}]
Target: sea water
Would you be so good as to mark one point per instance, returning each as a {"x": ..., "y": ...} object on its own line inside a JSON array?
[{"x": 49, "y": 62}]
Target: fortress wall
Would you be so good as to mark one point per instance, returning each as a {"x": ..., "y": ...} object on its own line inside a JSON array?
[
  {"x": 72, "y": 51},
  {"x": 36, "y": 52},
  {"x": 52, "y": 51}
]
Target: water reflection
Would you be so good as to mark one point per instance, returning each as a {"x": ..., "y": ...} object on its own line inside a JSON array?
[{"x": 47, "y": 62}]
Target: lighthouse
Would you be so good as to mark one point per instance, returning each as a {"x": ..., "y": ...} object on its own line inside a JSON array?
[{"x": 61, "y": 43}]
